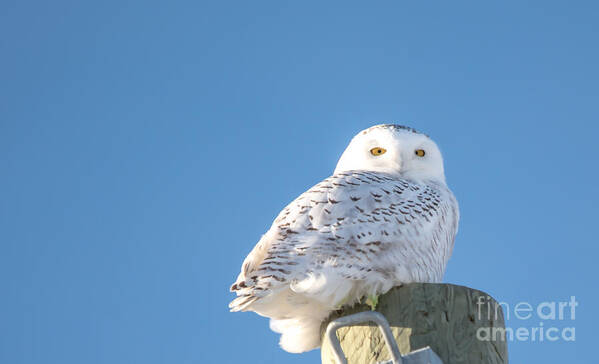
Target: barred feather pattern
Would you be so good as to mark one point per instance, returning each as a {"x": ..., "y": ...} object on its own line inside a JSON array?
[{"x": 357, "y": 233}]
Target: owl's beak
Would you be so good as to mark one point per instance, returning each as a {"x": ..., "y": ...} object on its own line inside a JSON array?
[{"x": 399, "y": 166}]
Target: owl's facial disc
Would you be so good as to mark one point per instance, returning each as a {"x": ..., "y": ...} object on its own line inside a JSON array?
[{"x": 395, "y": 150}]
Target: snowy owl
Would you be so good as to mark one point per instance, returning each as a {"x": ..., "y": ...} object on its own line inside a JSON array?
[{"x": 385, "y": 217}]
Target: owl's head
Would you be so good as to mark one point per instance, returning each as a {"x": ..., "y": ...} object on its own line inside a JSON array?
[{"x": 394, "y": 149}]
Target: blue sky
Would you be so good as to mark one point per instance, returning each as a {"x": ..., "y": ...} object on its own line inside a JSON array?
[{"x": 146, "y": 146}]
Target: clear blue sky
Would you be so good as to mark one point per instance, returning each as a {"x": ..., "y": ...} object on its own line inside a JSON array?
[{"x": 146, "y": 146}]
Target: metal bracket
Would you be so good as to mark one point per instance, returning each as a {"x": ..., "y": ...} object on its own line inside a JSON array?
[
  {"x": 421, "y": 356},
  {"x": 357, "y": 318}
]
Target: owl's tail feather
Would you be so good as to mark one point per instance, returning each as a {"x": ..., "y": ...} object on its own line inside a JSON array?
[
  {"x": 242, "y": 303},
  {"x": 298, "y": 334}
]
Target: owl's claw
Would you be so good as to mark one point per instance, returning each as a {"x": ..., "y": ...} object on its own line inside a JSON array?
[{"x": 372, "y": 301}]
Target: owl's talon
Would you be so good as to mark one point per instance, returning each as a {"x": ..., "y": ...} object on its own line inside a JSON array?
[{"x": 372, "y": 301}]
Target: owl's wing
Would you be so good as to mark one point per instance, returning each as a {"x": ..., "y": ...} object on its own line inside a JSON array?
[{"x": 354, "y": 225}]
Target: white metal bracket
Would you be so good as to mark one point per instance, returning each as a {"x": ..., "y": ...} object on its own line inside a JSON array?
[{"x": 421, "y": 356}]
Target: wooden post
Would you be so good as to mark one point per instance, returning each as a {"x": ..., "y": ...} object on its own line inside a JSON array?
[{"x": 443, "y": 316}]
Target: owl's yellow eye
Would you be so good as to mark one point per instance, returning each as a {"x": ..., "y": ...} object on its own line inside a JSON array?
[
  {"x": 420, "y": 152},
  {"x": 377, "y": 151}
]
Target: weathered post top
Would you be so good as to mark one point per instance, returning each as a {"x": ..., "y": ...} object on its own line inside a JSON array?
[{"x": 443, "y": 316}]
